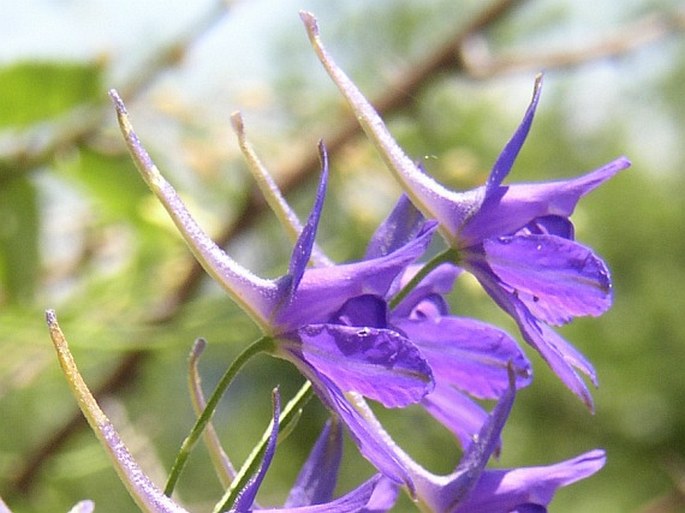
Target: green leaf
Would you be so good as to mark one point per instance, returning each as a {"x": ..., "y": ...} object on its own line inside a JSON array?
[
  {"x": 109, "y": 178},
  {"x": 38, "y": 91},
  {"x": 19, "y": 260}
]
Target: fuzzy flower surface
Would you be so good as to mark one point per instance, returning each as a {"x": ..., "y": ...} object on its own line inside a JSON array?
[{"x": 517, "y": 240}]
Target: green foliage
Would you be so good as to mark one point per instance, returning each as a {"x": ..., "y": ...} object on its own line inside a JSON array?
[
  {"x": 19, "y": 231},
  {"x": 32, "y": 91}
]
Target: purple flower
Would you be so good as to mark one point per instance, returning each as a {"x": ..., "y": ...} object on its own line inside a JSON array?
[
  {"x": 303, "y": 312},
  {"x": 471, "y": 356},
  {"x": 528, "y": 490},
  {"x": 467, "y": 357},
  {"x": 471, "y": 488},
  {"x": 516, "y": 239}
]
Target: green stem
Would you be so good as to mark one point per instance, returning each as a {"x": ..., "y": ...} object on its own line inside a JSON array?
[
  {"x": 289, "y": 415},
  {"x": 449, "y": 255},
  {"x": 222, "y": 465},
  {"x": 263, "y": 344}
]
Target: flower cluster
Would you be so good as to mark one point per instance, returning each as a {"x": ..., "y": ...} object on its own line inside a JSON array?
[{"x": 380, "y": 329}]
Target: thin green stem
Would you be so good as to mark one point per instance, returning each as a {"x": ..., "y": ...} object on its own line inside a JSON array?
[
  {"x": 449, "y": 255},
  {"x": 261, "y": 345},
  {"x": 222, "y": 464},
  {"x": 290, "y": 414}
]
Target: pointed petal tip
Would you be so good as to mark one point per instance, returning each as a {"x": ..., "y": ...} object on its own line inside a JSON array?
[
  {"x": 198, "y": 348},
  {"x": 589, "y": 402},
  {"x": 538, "y": 83},
  {"x": 310, "y": 23},
  {"x": 323, "y": 156},
  {"x": 624, "y": 162},
  {"x": 237, "y": 123},
  {"x": 114, "y": 95},
  {"x": 50, "y": 317}
]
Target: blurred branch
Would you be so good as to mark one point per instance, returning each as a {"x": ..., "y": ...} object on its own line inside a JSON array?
[
  {"x": 37, "y": 147},
  {"x": 674, "y": 501},
  {"x": 481, "y": 64}
]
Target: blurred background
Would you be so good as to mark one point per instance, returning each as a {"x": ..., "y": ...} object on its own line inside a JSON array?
[{"x": 79, "y": 231}]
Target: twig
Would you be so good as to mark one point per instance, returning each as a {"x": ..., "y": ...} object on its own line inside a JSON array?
[
  {"x": 480, "y": 64},
  {"x": 33, "y": 149}
]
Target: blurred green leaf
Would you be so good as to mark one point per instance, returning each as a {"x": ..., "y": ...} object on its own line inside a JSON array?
[
  {"x": 37, "y": 91},
  {"x": 110, "y": 180},
  {"x": 18, "y": 240}
]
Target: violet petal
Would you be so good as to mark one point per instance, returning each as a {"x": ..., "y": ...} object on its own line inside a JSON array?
[
  {"x": 302, "y": 250},
  {"x": 324, "y": 290},
  {"x": 247, "y": 495},
  {"x": 524, "y": 489},
  {"x": 511, "y": 207},
  {"x": 401, "y": 226},
  {"x": 471, "y": 355},
  {"x": 559, "y": 354},
  {"x": 318, "y": 476},
  {"x": 352, "y": 502},
  {"x": 454, "y": 410},
  {"x": 511, "y": 150},
  {"x": 556, "y": 278},
  {"x": 377, "y": 363}
]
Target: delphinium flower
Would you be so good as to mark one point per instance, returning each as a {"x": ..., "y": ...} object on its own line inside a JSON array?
[
  {"x": 298, "y": 313},
  {"x": 312, "y": 492},
  {"x": 469, "y": 358},
  {"x": 320, "y": 318},
  {"x": 517, "y": 240},
  {"x": 464, "y": 355}
]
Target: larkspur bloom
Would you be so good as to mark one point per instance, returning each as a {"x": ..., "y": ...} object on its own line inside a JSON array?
[
  {"x": 301, "y": 313},
  {"x": 471, "y": 488},
  {"x": 468, "y": 355},
  {"x": 465, "y": 355},
  {"x": 517, "y": 240},
  {"x": 312, "y": 492}
]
